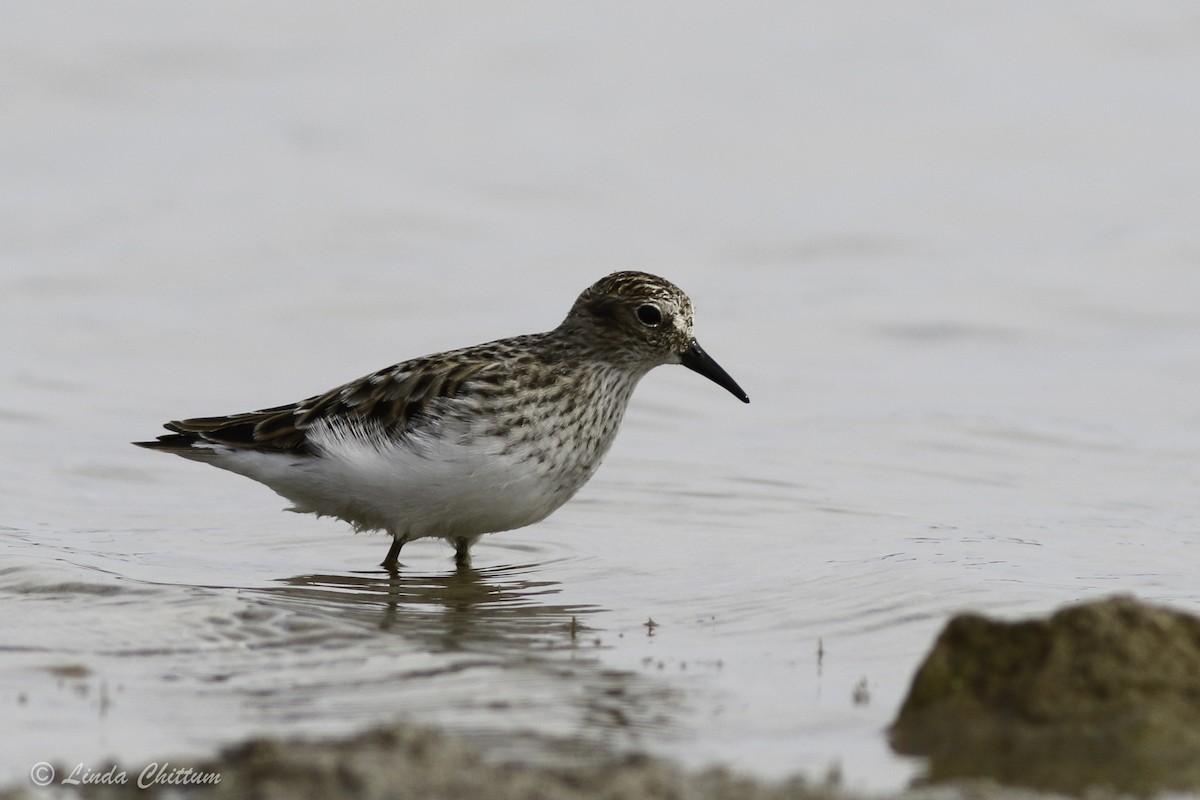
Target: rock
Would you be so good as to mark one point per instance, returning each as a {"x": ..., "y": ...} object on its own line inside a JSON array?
[{"x": 1101, "y": 694}]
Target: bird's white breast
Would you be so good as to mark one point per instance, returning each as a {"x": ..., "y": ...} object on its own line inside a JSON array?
[{"x": 423, "y": 485}]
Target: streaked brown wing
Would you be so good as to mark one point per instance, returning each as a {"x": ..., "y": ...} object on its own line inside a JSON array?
[{"x": 394, "y": 399}]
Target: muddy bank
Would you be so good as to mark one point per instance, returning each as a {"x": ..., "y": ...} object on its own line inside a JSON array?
[
  {"x": 1100, "y": 695},
  {"x": 412, "y": 762}
]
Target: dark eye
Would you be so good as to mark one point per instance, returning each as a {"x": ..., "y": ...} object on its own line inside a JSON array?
[{"x": 649, "y": 315}]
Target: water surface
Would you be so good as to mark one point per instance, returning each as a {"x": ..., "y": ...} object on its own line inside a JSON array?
[{"x": 950, "y": 254}]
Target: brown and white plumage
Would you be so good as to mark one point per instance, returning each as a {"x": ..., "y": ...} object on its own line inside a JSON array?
[{"x": 471, "y": 441}]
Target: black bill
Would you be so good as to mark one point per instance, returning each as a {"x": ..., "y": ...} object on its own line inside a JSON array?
[{"x": 695, "y": 359}]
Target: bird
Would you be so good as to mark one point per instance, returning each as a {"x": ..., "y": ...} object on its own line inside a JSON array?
[{"x": 466, "y": 442}]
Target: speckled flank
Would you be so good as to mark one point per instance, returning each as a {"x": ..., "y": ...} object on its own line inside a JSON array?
[{"x": 466, "y": 442}]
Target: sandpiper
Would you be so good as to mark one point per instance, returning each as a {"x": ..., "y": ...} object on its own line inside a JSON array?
[{"x": 467, "y": 442}]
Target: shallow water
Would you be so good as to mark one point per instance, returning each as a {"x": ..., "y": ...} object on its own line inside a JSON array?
[{"x": 950, "y": 255}]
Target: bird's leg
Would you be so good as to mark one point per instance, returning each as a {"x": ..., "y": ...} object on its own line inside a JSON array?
[
  {"x": 390, "y": 562},
  {"x": 462, "y": 552}
]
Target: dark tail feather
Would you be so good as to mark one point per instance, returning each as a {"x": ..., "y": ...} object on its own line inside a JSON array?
[{"x": 171, "y": 442}]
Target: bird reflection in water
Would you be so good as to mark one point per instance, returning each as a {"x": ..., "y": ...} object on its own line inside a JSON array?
[{"x": 495, "y": 607}]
